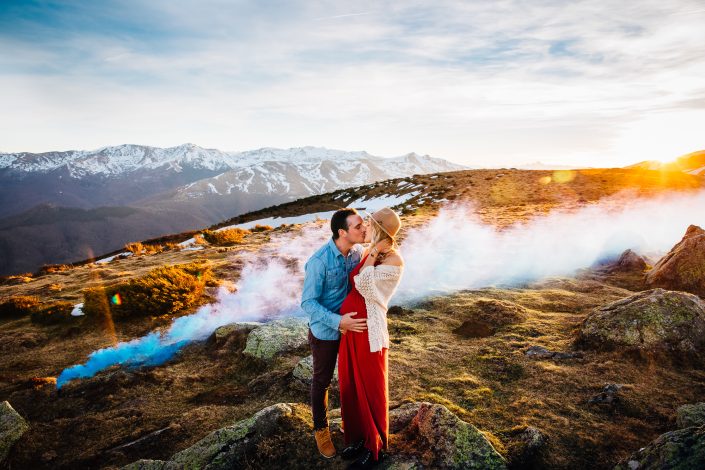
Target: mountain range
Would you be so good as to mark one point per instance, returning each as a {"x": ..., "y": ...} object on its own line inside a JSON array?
[{"x": 56, "y": 207}]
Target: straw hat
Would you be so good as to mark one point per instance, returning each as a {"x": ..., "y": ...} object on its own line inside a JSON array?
[{"x": 387, "y": 220}]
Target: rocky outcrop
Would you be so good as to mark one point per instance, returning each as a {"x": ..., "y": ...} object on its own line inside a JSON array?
[
  {"x": 12, "y": 426},
  {"x": 277, "y": 337},
  {"x": 683, "y": 268},
  {"x": 654, "y": 321},
  {"x": 441, "y": 439},
  {"x": 690, "y": 415},
  {"x": 628, "y": 261},
  {"x": 682, "y": 449}
]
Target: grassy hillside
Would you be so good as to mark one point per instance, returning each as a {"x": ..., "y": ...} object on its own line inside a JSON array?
[{"x": 122, "y": 415}]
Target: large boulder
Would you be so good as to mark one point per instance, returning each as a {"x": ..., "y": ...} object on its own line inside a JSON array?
[
  {"x": 683, "y": 268},
  {"x": 628, "y": 261},
  {"x": 654, "y": 321},
  {"x": 12, "y": 426},
  {"x": 683, "y": 449},
  {"x": 690, "y": 415},
  {"x": 441, "y": 439},
  {"x": 277, "y": 337}
]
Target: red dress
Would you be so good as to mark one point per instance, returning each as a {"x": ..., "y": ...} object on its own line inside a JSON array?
[{"x": 362, "y": 377}]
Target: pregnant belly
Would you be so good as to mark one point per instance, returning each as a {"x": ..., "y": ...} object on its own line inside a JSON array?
[{"x": 354, "y": 302}]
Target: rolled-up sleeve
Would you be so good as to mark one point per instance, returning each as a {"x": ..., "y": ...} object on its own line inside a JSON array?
[{"x": 313, "y": 288}]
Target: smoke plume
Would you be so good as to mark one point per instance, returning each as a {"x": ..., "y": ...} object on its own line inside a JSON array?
[{"x": 453, "y": 251}]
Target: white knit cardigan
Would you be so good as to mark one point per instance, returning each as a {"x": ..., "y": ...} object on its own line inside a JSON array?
[{"x": 377, "y": 285}]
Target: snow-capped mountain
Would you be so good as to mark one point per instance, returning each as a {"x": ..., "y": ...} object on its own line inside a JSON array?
[
  {"x": 116, "y": 161},
  {"x": 140, "y": 175},
  {"x": 309, "y": 171},
  {"x": 187, "y": 186}
]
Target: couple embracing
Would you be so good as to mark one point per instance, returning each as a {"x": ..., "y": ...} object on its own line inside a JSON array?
[{"x": 345, "y": 294}]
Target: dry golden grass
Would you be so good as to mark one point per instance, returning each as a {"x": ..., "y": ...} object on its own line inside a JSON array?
[{"x": 488, "y": 381}]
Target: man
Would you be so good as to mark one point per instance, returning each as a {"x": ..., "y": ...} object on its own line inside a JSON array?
[{"x": 326, "y": 285}]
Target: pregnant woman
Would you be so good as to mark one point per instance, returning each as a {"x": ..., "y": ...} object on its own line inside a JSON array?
[{"x": 362, "y": 357}]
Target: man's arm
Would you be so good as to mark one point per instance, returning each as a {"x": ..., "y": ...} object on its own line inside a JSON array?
[{"x": 313, "y": 288}]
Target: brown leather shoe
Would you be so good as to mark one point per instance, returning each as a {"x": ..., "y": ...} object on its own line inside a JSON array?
[{"x": 324, "y": 443}]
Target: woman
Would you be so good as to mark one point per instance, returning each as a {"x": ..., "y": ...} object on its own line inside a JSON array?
[{"x": 362, "y": 357}]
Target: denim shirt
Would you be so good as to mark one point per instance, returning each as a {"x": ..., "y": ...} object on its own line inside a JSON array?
[{"x": 326, "y": 284}]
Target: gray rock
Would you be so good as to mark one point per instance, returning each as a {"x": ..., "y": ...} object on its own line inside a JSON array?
[
  {"x": 608, "y": 395},
  {"x": 690, "y": 415},
  {"x": 303, "y": 372},
  {"x": 683, "y": 449},
  {"x": 654, "y": 321},
  {"x": 227, "y": 330},
  {"x": 12, "y": 427},
  {"x": 539, "y": 352},
  {"x": 277, "y": 337}
]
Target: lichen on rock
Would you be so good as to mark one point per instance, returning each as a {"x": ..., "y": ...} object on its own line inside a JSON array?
[
  {"x": 12, "y": 427},
  {"x": 277, "y": 337},
  {"x": 655, "y": 321}
]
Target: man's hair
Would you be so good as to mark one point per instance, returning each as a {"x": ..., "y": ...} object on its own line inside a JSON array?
[{"x": 340, "y": 220}]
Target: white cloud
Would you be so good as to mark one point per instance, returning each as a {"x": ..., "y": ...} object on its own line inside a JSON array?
[{"x": 475, "y": 82}]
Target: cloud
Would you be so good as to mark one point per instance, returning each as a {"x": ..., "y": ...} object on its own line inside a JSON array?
[{"x": 476, "y": 82}]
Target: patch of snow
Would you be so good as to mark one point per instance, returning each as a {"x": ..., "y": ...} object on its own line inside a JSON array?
[
  {"x": 77, "y": 310},
  {"x": 110, "y": 258},
  {"x": 193, "y": 248},
  {"x": 279, "y": 221},
  {"x": 374, "y": 204},
  {"x": 697, "y": 171}
]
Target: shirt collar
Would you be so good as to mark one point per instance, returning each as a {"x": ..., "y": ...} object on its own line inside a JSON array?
[{"x": 334, "y": 248}]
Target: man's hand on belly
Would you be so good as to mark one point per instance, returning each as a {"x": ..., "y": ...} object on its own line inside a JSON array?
[{"x": 348, "y": 323}]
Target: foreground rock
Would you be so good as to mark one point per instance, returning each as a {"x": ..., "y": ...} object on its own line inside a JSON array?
[
  {"x": 681, "y": 449},
  {"x": 12, "y": 426},
  {"x": 277, "y": 337},
  {"x": 683, "y": 268},
  {"x": 442, "y": 439},
  {"x": 654, "y": 321},
  {"x": 690, "y": 415},
  {"x": 280, "y": 436}
]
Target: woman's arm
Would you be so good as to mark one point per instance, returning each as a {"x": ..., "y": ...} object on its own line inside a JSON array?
[{"x": 380, "y": 248}]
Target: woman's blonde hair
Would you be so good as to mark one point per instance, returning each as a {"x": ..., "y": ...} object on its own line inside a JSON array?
[{"x": 378, "y": 234}]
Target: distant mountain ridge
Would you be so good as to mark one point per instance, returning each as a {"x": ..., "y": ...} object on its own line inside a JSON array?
[{"x": 52, "y": 199}]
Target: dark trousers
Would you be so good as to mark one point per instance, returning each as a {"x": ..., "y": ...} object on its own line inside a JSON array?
[{"x": 325, "y": 354}]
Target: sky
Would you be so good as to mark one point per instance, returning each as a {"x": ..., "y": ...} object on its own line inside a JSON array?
[{"x": 502, "y": 83}]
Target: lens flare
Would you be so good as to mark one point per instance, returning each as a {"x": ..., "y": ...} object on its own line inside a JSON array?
[
  {"x": 116, "y": 299},
  {"x": 563, "y": 176}
]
